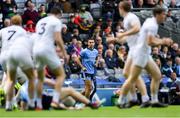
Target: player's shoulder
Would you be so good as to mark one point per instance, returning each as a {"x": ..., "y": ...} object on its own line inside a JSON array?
[
  {"x": 131, "y": 15},
  {"x": 150, "y": 23}
]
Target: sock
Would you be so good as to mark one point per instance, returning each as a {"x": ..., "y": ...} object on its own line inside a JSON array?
[
  {"x": 154, "y": 98},
  {"x": 56, "y": 97},
  {"x": 8, "y": 104},
  {"x": 134, "y": 97},
  {"x": 122, "y": 99},
  {"x": 145, "y": 98},
  {"x": 31, "y": 103},
  {"x": 39, "y": 102}
]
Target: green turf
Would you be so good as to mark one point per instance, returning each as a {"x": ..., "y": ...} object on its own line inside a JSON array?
[{"x": 103, "y": 112}]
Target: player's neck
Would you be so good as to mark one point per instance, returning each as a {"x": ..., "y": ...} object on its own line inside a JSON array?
[
  {"x": 90, "y": 48},
  {"x": 125, "y": 14}
]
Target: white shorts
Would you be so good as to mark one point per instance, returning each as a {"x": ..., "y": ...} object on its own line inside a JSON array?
[
  {"x": 130, "y": 53},
  {"x": 3, "y": 60},
  {"x": 19, "y": 58},
  {"x": 43, "y": 57},
  {"x": 141, "y": 59}
]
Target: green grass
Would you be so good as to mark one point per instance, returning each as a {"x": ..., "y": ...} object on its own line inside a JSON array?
[{"x": 103, "y": 112}]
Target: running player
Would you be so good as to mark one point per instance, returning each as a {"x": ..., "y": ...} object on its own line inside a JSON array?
[
  {"x": 142, "y": 59},
  {"x": 132, "y": 27},
  {"x": 48, "y": 31}
]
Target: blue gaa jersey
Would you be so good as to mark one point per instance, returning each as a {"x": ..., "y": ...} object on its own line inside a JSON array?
[{"x": 88, "y": 57}]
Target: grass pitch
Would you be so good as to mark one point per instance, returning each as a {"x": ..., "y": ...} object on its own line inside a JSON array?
[{"x": 103, "y": 112}]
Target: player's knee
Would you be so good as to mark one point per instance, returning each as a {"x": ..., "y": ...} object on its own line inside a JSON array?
[{"x": 158, "y": 76}]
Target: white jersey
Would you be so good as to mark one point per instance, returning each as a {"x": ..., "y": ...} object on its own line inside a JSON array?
[
  {"x": 45, "y": 29},
  {"x": 23, "y": 43},
  {"x": 9, "y": 34},
  {"x": 150, "y": 27},
  {"x": 128, "y": 20}
]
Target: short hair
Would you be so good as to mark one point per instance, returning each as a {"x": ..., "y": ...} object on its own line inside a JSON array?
[
  {"x": 16, "y": 20},
  {"x": 158, "y": 10},
  {"x": 55, "y": 10},
  {"x": 125, "y": 5},
  {"x": 91, "y": 38}
]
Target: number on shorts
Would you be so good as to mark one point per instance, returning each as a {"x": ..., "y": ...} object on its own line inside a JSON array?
[
  {"x": 42, "y": 28},
  {"x": 12, "y": 32}
]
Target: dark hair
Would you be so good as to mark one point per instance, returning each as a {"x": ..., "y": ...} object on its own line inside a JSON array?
[
  {"x": 125, "y": 5},
  {"x": 55, "y": 10},
  {"x": 91, "y": 38},
  {"x": 26, "y": 3},
  {"x": 158, "y": 10}
]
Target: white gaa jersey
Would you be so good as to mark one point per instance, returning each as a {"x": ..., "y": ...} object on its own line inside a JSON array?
[
  {"x": 150, "y": 27},
  {"x": 129, "y": 19},
  {"x": 9, "y": 34},
  {"x": 23, "y": 43},
  {"x": 45, "y": 29}
]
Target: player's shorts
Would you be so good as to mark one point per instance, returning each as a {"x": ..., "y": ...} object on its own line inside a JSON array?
[
  {"x": 141, "y": 59},
  {"x": 43, "y": 57},
  {"x": 87, "y": 76},
  {"x": 19, "y": 58},
  {"x": 130, "y": 53},
  {"x": 3, "y": 60}
]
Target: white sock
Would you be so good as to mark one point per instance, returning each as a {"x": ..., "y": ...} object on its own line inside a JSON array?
[
  {"x": 145, "y": 98},
  {"x": 8, "y": 104},
  {"x": 39, "y": 102},
  {"x": 122, "y": 99},
  {"x": 56, "y": 97},
  {"x": 31, "y": 103},
  {"x": 154, "y": 98},
  {"x": 134, "y": 97}
]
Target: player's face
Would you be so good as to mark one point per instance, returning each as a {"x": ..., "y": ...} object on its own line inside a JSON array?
[
  {"x": 91, "y": 43},
  {"x": 120, "y": 9},
  {"x": 162, "y": 17}
]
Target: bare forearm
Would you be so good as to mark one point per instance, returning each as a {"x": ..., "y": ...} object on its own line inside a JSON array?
[{"x": 132, "y": 31}]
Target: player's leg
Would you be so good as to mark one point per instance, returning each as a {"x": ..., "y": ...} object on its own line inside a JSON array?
[
  {"x": 134, "y": 73},
  {"x": 139, "y": 83},
  {"x": 11, "y": 73},
  {"x": 77, "y": 96},
  {"x": 88, "y": 87},
  {"x": 39, "y": 87},
  {"x": 31, "y": 87},
  {"x": 126, "y": 72},
  {"x": 94, "y": 87},
  {"x": 155, "y": 73},
  {"x": 60, "y": 75}
]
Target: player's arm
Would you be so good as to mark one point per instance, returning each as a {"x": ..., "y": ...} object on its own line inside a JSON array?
[
  {"x": 60, "y": 43},
  {"x": 154, "y": 41},
  {"x": 135, "y": 28},
  {"x": 78, "y": 61}
]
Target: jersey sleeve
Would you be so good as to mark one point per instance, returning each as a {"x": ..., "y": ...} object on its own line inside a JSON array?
[
  {"x": 151, "y": 31},
  {"x": 133, "y": 20},
  {"x": 82, "y": 53},
  {"x": 58, "y": 26}
]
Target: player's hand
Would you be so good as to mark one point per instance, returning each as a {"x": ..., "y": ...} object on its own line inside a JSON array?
[
  {"x": 84, "y": 69},
  {"x": 167, "y": 41},
  {"x": 119, "y": 35},
  {"x": 66, "y": 58}
]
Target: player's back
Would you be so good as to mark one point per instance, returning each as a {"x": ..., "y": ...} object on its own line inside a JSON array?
[
  {"x": 23, "y": 43},
  {"x": 45, "y": 29},
  {"x": 9, "y": 34},
  {"x": 129, "y": 19}
]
